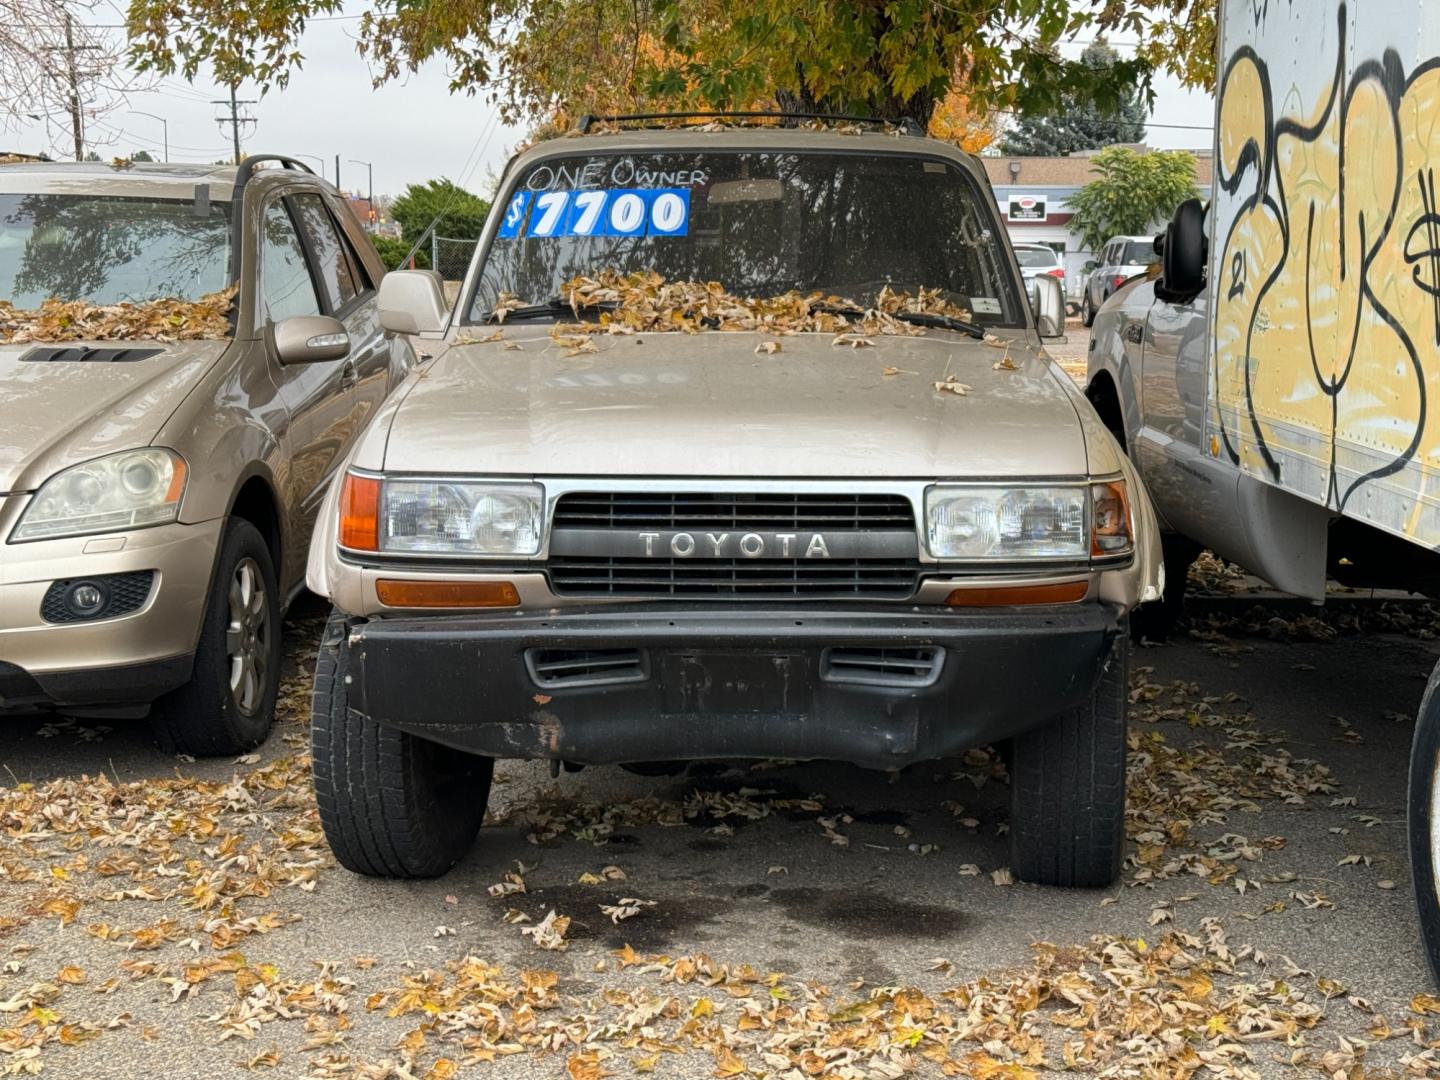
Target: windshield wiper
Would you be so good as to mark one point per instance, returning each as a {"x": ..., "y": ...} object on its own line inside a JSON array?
[
  {"x": 549, "y": 309},
  {"x": 939, "y": 322}
]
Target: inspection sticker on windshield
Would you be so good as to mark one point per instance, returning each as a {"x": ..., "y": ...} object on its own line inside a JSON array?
[
  {"x": 984, "y": 305},
  {"x": 599, "y": 212}
]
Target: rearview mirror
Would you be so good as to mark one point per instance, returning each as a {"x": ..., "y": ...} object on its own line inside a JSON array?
[
  {"x": 1047, "y": 300},
  {"x": 413, "y": 302},
  {"x": 309, "y": 339},
  {"x": 1183, "y": 253}
]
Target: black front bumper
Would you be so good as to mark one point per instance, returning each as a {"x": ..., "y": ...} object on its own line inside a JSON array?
[
  {"x": 93, "y": 691},
  {"x": 731, "y": 683}
]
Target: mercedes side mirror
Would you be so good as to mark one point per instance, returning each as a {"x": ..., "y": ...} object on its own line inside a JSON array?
[
  {"x": 1183, "y": 250},
  {"x": 309, "y": 339},
  {"x": 413, "y": 302},
  {"x": 1047, "y": 300}
]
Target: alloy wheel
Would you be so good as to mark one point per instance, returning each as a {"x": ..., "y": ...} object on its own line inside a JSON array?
[{"x": 247, "y": 637}]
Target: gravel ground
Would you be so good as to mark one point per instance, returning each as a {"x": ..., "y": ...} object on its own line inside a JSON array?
[{"x": 1263, "y": 923}]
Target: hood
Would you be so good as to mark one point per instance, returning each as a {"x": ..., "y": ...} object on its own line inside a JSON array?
[
  {"x": 54, "y": 414},
  {"x": 709, "y": 405}
]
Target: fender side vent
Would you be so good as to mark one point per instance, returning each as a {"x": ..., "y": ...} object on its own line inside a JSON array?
[
  {"x": 883, "y": 667},
  {"x": 86, "y": 354},
  {"x": 562, "y": 669}
]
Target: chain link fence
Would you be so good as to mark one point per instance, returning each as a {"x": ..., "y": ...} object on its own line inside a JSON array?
[{"x": 451, "y": 257}]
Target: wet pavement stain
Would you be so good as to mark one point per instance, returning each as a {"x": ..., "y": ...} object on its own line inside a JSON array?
[
  {"x": 655, "y": 929},
  {"x": 867, "y": 914}
]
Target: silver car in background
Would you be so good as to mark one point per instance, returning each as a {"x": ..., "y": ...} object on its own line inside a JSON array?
[{"x": 1123, "y": 258}]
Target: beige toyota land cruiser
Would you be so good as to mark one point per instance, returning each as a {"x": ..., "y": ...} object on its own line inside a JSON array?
[
  {"x": 739, "y": 443},
  {"x": 187, "y": 352}
]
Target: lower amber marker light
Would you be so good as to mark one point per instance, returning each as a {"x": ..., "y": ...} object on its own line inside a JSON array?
[
  {"x": 447, "y": 594},
  {"x": 1065, "y": 592}
]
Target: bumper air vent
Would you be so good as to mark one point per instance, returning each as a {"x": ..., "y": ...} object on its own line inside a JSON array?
[
  {"x": 86, "y": 354},
  {"x": 883, "y": 667},
  {"x": 561, "y": 669}
]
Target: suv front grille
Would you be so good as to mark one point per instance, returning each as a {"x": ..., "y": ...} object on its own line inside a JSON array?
[
  {"x": 724, "y": 578},
  {"x": 723, "y": 510}
]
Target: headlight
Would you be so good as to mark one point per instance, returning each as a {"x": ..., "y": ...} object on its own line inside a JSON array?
[
  {"x": 124, "y": 491},
  {"x": 1039, "y": 522},
  {"x": 441, "y": 517}
]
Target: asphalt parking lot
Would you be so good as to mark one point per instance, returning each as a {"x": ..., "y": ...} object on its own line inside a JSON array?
[{"x": 752, "y": 920}]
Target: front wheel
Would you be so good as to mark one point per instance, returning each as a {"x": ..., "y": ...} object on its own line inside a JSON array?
[
  {"x": 391, "y": 804},
  {"x": 1087, "y": 313},
  {"x": 1067, "y": 787},
  {"x": 1424, "y": 799},
  {"x": 227, "y": 705}
]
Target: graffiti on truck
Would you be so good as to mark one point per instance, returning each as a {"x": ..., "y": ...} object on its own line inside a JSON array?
[{"x": 1331, "y": 252}]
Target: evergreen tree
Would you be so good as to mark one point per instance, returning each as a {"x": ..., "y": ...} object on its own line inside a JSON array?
[{"x": 1078, "y": 123}]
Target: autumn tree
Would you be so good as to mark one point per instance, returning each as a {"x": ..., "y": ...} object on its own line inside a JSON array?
[
  {"x": 891, "y": 59},
  {"x": 1078, "y": 123},
  {"x": 1134, "y": 192}
]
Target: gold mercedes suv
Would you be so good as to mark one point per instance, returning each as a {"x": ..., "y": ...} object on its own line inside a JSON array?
[{"x": 187, "y": 353}]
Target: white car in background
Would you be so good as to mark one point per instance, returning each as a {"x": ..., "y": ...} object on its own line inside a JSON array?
[
  {"x": 1037, "y": 259},
  {"x": 1124, "y": 257}
]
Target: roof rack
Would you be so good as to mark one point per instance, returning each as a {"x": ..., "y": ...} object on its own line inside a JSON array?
[
  {"x": 906, "y": 124},
  {"x": 247, "y": 167}
]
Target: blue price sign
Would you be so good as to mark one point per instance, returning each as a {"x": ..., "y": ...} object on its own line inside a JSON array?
[
  {"x": 515, "y": 214},
  {"x": 599, "y": 212}
]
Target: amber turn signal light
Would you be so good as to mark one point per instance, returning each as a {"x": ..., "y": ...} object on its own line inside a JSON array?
[
  {"x": 360, "y": 513},
  {"x": 1066, "y": 592},
  {"x": 447, "y": 594}
]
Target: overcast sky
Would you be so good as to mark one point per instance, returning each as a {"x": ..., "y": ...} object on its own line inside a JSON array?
[{"x": 411, "y": 130}]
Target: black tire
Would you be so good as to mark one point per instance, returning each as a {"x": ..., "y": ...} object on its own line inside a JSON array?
[
  {"x": 1067, "y": 788},
  {"x": 1424, "y": 828},
  {"x": 210, "y": 716},
  {"x": 1087, "y": 313},
  {"x": 391, "y": 804},
  {"x": 1153, "y": 622}
]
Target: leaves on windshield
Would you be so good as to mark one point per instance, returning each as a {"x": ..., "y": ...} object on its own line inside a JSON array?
[
  {"x": 644, "y": 302},
  {"x": 206, "y": 319}
]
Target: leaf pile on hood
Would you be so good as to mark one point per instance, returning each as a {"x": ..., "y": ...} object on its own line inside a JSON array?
[
  {"x": 644, "y": 302},
  {"x": 206, "y": 319}
]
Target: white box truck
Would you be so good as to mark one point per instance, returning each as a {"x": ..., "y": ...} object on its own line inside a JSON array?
[{"x": 1278, "y": 380}]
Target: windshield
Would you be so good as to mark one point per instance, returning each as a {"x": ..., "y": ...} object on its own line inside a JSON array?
[
  {"x": 758, "y": 223},
  {"x": 1139, "y": 253},
  {"x": 107, "y": 250},
  {"x": 1036, "y": 258}
]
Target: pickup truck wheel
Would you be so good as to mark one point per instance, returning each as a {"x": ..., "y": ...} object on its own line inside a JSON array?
[
  {"x": 227, "y": 705},
  {"x": 1424, "y": 799},
  {"x": 391, "y": 804},
  {"x": 1067, "y": 787},
  {"x": 1153, "y": 622}
]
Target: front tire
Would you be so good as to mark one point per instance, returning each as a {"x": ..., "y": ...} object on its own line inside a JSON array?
[
  {"x": 1087, "y": 312},
  {"x": 227, "y": 705},
  {"x": 1424, "y": 819},
  {"x": 1067, "y": 787},
  {"x": 391, "y": 804}
]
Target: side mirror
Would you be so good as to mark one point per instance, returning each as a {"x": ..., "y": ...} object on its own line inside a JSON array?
[
  {"x": 413, "y": 302},
  {"x": 309, "y": 339},
  {"x": 1090, "y": 264},
  {"x": 1047, "y": 299},
  {"x": 1183, "y": 251}
]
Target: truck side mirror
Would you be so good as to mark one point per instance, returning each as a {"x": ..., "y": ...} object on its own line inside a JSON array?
[
  {"x": 1047, "y": 300},
  {"x": 1183, "y": 251},
  {"x": 413, "y": 302}
]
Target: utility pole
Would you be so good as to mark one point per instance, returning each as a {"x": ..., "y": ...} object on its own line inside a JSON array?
[
  {"x": 337, "y": 173},
  {"x": 235, "y": 119},
  {"x": 72, "y": 76},
  {"x": 370, "y": 198}
]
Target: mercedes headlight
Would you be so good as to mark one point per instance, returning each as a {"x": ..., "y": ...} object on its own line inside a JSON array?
[
  {"x": 441, "y": 517},
  {"x": 131, "y": 490},
  {"x": 1049, "y": 521}
]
